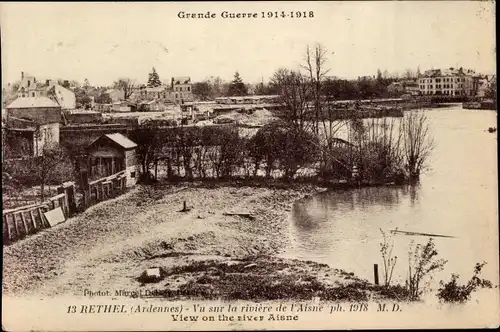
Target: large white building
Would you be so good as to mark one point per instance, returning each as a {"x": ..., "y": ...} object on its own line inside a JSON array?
[
  {"x": 448, "y": 82},
  {"x": 29, "y": 87}
]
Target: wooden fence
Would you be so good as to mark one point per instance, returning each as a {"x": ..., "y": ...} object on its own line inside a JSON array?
[
  {"x": 104, "y": 189},
  {"x": 29, "y": 219}
]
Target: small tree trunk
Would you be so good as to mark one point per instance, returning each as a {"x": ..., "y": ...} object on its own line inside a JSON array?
[{"x": 42, "y": 190}]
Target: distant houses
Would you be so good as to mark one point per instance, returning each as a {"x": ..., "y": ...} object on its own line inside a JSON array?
[
  {"x": 32, "y": 123},
  {"x": 236, "y": 100},
  {"x": 448, "y": 82},
  {"x": 179, "y": 91},
  {"x": 29, "y": 87}
]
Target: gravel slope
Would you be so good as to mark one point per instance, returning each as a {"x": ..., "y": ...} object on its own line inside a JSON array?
[{"x": 113, "y": 242}]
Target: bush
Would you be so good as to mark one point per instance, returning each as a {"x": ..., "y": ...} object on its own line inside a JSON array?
[
  {"x": 452, "y": 292},
  {"x": 422, "y": 262}
]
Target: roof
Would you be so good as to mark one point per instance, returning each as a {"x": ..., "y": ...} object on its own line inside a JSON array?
[
  {"x": 448, "y": 72},
  {"x": 119, "y": 139},
  {"x": 156, "y": 89},
  {"x": 33, "y": 102},
  {"x": 181, "y": 79}
]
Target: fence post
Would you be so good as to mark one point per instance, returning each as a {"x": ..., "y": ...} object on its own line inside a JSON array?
[
  {"x": 70, "y": 196},
  {"x": 375, "y": 273},
  {"x": 6, "y": 232}
]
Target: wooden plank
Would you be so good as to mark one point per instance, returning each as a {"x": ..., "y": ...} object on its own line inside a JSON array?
[
  {"x": 33, "y": 220},
  {"x": 23, "y": 219},
  {"x": 55, "y": 216},
  {"x": 20, "y": 208},
  {"x": 6, "y": 227},
  {"x": 395, "y": 231},
  {"x": 40, "y": 214},
  {"x": 57, "y": 197},
  {"x": 18, "y": 229},
  {"x": 14, "y": 226}
]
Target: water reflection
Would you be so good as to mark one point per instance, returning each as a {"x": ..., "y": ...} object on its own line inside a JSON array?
[{"x": 457, "y": 197}]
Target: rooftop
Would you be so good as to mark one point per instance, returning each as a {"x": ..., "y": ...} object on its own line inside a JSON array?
[
  {"x": 121, "y": 140},
  {"x": 33, "y": 102},
  {"x": 181, "y": 80},
  {"x": 448, "y": 72}
]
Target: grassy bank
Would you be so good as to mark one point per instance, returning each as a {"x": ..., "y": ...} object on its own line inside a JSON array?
[{"x": 225, "y": 246}]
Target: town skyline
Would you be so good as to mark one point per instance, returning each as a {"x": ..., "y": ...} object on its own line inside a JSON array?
[{"x": 89, "y": 43}]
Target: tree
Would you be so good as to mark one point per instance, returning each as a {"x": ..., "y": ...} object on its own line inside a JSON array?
[
  {"x": 86, "y": 85},
  {"x": 216, "y": 86},
  {"x": 83, "y": 100},
  {"x": 149, "y": 141},
  {"x": 265, "y": 89},
  {"x": 409, "y": 74},
  {"x": 103, "y": 98},
  {"x": 202, "y": 90},
  {"x": 417, "y": 142},
  {"x": 315, "y": 67},
  {"x": 295, "y": 91},
  {"x": 491, "y": 92},
  {"x": 125, "y": 84},
  {"x": 154, "y": 79},
  {"x": 237, "y": 87},
  {"x": 45, "y": 165}
]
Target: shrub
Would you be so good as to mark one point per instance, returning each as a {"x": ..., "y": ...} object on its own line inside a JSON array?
[
  {"x": 452, "y": 292},
  {"x": 421, "y": 263}
]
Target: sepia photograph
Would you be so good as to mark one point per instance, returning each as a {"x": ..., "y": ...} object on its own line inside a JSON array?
[{"x": 246, "y": 166}]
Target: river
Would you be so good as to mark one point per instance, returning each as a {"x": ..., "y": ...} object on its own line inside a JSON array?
[{"x": 457, "y": 196}]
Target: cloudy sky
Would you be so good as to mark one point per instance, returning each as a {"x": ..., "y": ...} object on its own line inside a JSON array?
[{"x": 104, "y": 41}]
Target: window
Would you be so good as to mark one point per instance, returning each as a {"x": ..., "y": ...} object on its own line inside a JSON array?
[
  {"x": 189, "y": 88},
  {"x": 438, "y": 80},
  {"x": 132, "y": 175},
  {"x": 32, "y": 94}
]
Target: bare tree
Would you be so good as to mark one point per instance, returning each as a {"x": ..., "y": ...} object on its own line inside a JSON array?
[
  {"x": 125, "y": 84},
  {"x": 294, "y": 92},
  {"x": 417, "y": 142},
  {"x": 45, "y": 165},
  {"x": 315, "y": 67}
]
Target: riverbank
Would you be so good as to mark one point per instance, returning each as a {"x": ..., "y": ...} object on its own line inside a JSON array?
[{"x": 225, "y": 246}]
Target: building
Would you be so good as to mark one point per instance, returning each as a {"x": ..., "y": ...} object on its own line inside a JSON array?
[
  {"x": 121, "y": 106},
  {"x": 449, "y": 82},
  {"x": 395, "y": 88},
  {"x": 411, "y": 87},
  {"x": 259, "y": 99},
  {"x": 152, "y": 106},
  {"x": 29, "y": 87},
  {"x": 64, "y": 97},
  {"x": 484, "y": 84},
  {"x": 110, "y": 154},
  {"x": 115, "y": 95},
  {"x": 32, "y": 124},
  {"x": 154, "y": 93},
  {"x": 181, "y": 90}
]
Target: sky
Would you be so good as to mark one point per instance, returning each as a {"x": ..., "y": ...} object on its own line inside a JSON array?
[{"x": 105, "y": 41}]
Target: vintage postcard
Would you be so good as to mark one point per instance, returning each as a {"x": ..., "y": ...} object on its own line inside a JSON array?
[{"x": 248, "y": 166}]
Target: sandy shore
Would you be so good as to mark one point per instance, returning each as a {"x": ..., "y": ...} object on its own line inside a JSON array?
[{"x": 202, "y": 253}]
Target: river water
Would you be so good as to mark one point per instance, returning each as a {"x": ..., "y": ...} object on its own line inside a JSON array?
[{"x": 457, "y": 196}]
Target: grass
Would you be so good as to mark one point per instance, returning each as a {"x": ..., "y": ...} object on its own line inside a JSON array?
[{"x": 259, "y": 279}]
